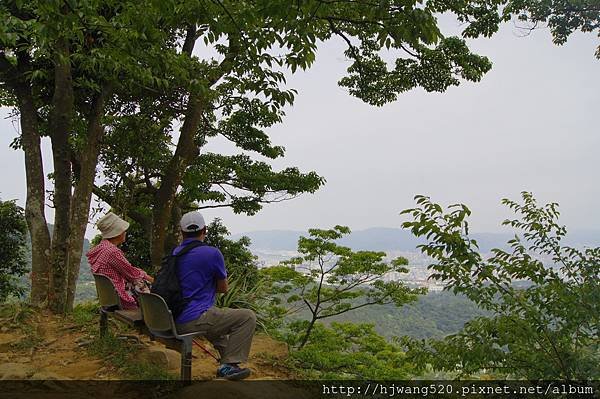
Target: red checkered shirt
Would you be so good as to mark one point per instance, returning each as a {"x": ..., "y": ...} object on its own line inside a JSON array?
[{"x": 107, "y": 259}]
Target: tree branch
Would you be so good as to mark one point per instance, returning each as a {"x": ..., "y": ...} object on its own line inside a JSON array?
[
  {"x": 190, "y": 40},
  {"x": 353, "y": 308},
  {"x": 353, "y": 50}
]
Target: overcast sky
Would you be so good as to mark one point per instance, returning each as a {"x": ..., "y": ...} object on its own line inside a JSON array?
[{"x": 530, "y": 124}]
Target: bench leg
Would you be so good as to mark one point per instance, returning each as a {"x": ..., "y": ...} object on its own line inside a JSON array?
[
  {"x": 103, "y": 323},
  {"x": 186, "y": 359}
]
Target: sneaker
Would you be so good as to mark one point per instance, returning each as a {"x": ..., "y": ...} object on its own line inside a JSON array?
[{"x": 232, "y": 372}]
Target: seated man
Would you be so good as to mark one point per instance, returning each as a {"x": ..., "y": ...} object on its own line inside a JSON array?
[
  {"x": 202, "y": 275},
  {"x": 107, "y": 258}
]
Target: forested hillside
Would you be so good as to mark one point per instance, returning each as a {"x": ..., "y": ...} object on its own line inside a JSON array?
[{"x": 434, "y": 315}]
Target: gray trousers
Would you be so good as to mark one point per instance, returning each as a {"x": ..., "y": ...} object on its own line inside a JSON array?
[{"x": 230, "y": 331}]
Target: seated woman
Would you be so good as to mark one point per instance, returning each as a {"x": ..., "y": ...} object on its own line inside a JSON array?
[{"x": 106, "y": 258}]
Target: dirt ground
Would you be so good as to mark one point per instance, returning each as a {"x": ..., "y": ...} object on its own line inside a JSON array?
[
  {"x": 58, "y": 353},
  {"x": 54, "y": 354}
]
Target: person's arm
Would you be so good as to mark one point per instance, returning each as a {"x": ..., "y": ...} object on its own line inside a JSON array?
[
  {"x": 222, "y": 286},
  {"x": 220, "y": 274}
]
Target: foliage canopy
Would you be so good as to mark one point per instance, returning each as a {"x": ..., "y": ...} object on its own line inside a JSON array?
[
  {"x": 562, "y": 17},
  {"x": 142, "y": 93},
  {"x": 546, "y": 327},
  {"x": 329, "y": 279},
  {"x": 349, "y": 351}
]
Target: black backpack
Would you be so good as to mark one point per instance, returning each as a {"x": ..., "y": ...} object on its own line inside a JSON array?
[{"x": 166, "y": 284}]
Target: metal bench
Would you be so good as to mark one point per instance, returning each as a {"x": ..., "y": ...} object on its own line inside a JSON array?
[
  {"x": 161, "y": 326},
  {"x": 153, "y": 319},
  {"x": 110, "y": 305}
]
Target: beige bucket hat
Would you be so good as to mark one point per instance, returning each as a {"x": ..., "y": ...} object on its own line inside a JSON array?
[{"x": 110, "y": 225}]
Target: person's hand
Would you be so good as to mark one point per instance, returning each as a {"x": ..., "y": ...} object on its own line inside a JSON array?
[{"x": 140, "y": 286}]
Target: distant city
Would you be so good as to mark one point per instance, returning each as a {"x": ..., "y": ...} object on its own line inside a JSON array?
[
  {"x": 417, "y": 275},
  {"x": 273, "y": 247}
]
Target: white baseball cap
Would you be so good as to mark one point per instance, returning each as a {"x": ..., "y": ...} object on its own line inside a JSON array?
[{"x": 192, "y": 222}]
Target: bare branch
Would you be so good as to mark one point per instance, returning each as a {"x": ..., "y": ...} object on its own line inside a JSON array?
[{"x": 353, "y": 308}]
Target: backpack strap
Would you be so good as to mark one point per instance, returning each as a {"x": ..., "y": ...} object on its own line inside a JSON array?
[{"x": 189, "y": 247}]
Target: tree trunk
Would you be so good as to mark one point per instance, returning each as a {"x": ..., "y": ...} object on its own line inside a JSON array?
[
  {"x": 174, "y": 236},
  {"x": 186, "y": 150},
  {"x": 60, "y": 128},
  {"x": 36, "y": 195},
  {"x": 308, "y": 331},
  {"x": 184, "y": 153},
  {"x": 82, "y": 195}
]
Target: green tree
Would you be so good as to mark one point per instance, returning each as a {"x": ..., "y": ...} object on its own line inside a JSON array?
[
  {"x": 61, "y": 64},
  {"x": 329, "y": 279},
  {"x": 545, "y": 327},
  {"x": 233, "y": 86},
  {"x": 13, "y": 242},
  {"x": 238, "y": 258},
  {"x": 136, "y": 246},
  {"x": 349, "y": 351},
  {"x": 92, "y": 74},
  {"x": 562, "y": 17}
]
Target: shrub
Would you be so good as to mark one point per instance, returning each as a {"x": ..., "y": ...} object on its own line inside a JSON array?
[
  {"x": 13, "y": 241},
  {"x": 546, "y": 327}
]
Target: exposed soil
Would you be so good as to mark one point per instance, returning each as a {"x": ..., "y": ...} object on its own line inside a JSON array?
[
  {"x": 54, "y": 349},
  {"x": 265, "y": 356},
  {"x": 51, "y": 350}
]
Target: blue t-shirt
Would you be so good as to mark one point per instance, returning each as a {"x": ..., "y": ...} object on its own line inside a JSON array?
[{"x": 198, "y": 272}]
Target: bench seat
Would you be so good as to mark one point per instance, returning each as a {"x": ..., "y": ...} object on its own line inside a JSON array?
[
  {"x": 153, "y": 319},
  {"x": 133, "y": 317},
  {"x": 160, "y": 323}
]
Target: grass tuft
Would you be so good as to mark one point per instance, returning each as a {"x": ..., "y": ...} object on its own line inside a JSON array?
[
  {"x": 32, "y": 339},
  {"x": 86, "y": 315},
  {"x": 19, "y": 316},
  {"x": 120, "y": 354},
  {"x": 17, "y": 312}
]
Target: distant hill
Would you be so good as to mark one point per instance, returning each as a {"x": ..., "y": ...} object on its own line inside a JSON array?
[
  {"x": 85, "y": 273},
  {"x": 389, "y": 239}
]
